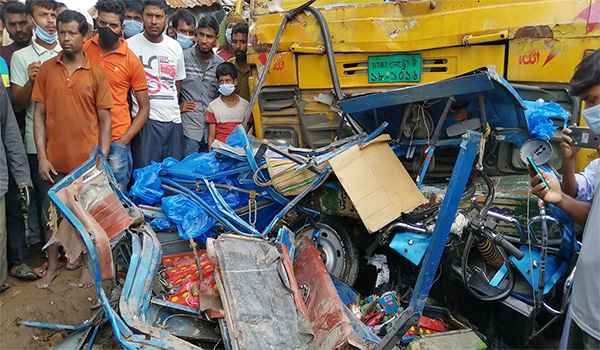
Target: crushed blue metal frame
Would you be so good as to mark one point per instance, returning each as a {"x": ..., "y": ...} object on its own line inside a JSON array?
[
  {"x": 137, "y": 325},
  {"x": 482, "y": 93},
  {"x": 456, "y": 187},
  {"x": 503, "y": 107}
]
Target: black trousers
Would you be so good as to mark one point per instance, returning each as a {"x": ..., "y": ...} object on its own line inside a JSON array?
[{"x": 15, "y": 225}]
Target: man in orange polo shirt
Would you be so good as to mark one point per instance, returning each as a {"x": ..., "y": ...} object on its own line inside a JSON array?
[
  {"x": 125, "y": 71},
  {"x": 72, "y": 114}
]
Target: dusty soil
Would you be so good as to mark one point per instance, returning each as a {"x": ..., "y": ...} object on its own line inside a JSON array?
[{"x": 62, "y": 303}]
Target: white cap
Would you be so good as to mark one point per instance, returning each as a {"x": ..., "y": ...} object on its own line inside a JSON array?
[{"x": 87, "y": 16}]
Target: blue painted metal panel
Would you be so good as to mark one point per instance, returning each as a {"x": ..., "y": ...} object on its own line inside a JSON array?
[
  {"x": 425, "y": 92},
  {"x": 439, "y": 237},
  {"x": 412, "y": 246},
  {"x": 504, "y": 108},
  {"x": 97, "y": 160},
  {"x": 287, "y": 237},
  {"x": 532, "y": 273},
  {"x": 555, "y": 269}
]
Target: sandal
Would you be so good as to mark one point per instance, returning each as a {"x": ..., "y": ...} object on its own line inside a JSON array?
[{"x": 24, "y": 272}]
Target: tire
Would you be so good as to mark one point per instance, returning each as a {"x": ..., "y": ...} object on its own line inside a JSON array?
[{"x": 337, "y": 246}]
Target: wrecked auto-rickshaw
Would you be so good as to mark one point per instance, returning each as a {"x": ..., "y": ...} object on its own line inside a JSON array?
[{"x": 256, "y": 246}]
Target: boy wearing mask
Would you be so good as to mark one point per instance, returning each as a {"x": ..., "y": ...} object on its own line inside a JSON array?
[{"x": 226, "y": 111}]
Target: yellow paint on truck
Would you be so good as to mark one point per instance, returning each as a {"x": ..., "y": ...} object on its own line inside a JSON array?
[{"x": 533, "y": 42}]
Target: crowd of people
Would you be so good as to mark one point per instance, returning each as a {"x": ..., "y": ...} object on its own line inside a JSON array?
[{"x": 140, "y": 82}]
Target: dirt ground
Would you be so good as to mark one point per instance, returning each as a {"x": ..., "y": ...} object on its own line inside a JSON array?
[{"x": 62, "y": 303}]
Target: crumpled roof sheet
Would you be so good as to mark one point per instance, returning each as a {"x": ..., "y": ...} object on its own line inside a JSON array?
[{"x": 191, "y": 3}]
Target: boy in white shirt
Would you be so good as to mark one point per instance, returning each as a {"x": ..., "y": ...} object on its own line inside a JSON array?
[{"x": 226, "y": 111}]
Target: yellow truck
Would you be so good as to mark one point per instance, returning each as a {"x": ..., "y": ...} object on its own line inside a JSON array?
[{"x": 534, "y": 44}]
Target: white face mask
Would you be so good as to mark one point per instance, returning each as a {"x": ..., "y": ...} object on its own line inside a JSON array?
[
  {"x": 592, "y": 118},
  {"x": 226, "y": 89},
  {"x": 228, "y": 37}
]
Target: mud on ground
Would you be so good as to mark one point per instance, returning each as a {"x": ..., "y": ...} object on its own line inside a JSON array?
[{"x": 61, "y": 303}]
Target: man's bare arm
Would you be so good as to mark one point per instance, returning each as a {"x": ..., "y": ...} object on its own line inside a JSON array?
[
  {"x": 569, "y": 181},
  {"x": 105, "y": 130},
  {"x": 45, "y": 168},
  {"x": 178, "y": 86},
  {"x": 569, "y": 152},
  {"x": 212, "y": 132},
  {"x": 21, "y": 95},
  {"x": 140, "y": 119},
  {"x": 577, "y": 210},
  {"x": 39, "y": 128}
]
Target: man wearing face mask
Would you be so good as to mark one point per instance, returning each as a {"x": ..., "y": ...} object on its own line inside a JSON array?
[
  {"x": 182, "y": 28},
  {"x": 133, "y": 18},
  {"x": 225, "y": 40},
  {"x": 124, "y": 71},
  {"x": 200, "y": 85},
  {"x": 584, "y": 307}
]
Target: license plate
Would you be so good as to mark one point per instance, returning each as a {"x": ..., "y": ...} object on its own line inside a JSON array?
[{"x": 395, "y": 69}]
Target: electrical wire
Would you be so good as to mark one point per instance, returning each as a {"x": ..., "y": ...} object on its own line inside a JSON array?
[
  {"x": 533, "y": 293},
  {"x": 163, "y": 324},
  {"x": 438, "y": 275}
]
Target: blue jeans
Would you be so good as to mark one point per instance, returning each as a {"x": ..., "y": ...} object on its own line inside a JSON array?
[
  {"x": 192, "y": 146},
  {"x": 121, "y": 164}
]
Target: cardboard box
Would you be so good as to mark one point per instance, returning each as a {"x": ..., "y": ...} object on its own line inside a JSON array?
[{"x": 377, "y": 183}]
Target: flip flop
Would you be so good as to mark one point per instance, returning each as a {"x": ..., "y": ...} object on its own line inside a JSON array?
[{"x": 24, "y": 272}]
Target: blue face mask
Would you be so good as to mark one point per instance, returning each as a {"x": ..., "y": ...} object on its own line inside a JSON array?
[
  {"x": 44, "y": 36},
  {"x": 592, "y": 118},
  {"x": 132, "y": 27},
  {"x": 226, "y": 89},
  {"x": 185, "y": 41}
]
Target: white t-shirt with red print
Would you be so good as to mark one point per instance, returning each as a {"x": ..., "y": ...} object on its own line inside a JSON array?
[{"x": 164, "y": 65}]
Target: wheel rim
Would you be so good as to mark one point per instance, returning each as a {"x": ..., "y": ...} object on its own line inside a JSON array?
[{"x": 330, "y": 245}]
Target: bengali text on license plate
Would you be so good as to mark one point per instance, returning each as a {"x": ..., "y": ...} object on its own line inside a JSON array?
[{"x": 395, "y": 69}]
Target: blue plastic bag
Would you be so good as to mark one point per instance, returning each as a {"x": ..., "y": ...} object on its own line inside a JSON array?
[
  {"x": 160, "y": 224},
  {"x": 234, "y": 140},
  {"x": 538, "y": 116},
  {"x": 147, "y": 187},
  {"x": 192, "y": 221},
  {"x": 204, "y": 164}
]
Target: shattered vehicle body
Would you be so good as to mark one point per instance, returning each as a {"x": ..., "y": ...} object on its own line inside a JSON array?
[
  {"x": 488, "y": 238},
  {"x": 272, "y": 241},
  {"x": 160, "y": 302}
]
